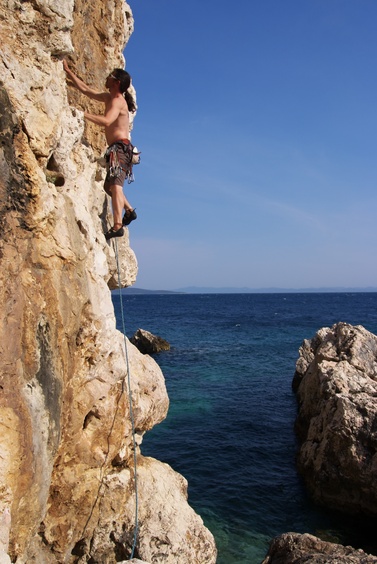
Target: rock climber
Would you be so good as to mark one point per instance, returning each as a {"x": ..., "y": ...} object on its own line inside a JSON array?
[{"x": 118, "y": 104}]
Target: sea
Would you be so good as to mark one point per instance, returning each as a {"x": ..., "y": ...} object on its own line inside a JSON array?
[{"x": 230, "y": 426}]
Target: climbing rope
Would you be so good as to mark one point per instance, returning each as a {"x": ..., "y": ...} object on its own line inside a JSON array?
[{"x": 130, "y": 405}]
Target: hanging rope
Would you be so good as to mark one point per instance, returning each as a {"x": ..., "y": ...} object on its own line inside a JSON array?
[{"x": 130, "y": 405}]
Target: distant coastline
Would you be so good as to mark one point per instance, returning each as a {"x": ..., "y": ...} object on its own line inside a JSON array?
[
  {"x": 244, "y": 290},
  {"x": 134, "y": 291}
]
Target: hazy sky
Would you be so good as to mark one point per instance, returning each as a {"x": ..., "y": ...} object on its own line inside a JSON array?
[{"x": 257, "y": 125}]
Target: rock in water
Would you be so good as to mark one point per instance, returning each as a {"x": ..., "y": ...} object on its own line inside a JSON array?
[
  {"x": 148, "y": 343},
  {"x": 336, "y": 385},
  {"x": 293, "y": 548}
]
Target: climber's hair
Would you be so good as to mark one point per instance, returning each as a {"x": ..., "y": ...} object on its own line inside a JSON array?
[{"x": 125, "y": 82}]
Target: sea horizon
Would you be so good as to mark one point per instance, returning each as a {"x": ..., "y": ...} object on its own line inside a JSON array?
[{"x": 246, "y": 290}]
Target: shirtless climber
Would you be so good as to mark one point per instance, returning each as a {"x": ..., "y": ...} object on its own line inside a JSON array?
[{"x": 118, "y": 103}]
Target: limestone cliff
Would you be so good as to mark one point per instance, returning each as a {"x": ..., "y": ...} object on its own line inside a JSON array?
[{"x": 67, "y": 485}]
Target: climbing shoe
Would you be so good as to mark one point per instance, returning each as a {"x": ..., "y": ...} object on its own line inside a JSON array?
[
  {"x": 114, "y": 233},
  {"x": 129, "y": 216}
]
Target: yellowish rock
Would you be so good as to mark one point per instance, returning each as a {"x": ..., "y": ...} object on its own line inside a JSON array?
[{"x": 67, "y": 450}]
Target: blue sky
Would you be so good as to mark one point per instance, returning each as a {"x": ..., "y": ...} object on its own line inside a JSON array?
[{"x": 257, "y": 125}]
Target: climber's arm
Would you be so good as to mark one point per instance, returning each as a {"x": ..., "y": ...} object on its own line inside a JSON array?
[{"x": 84, "y": 88}]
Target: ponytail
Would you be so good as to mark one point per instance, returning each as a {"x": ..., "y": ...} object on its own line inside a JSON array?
[
  {"x": 125, "y": 82},
  {"x": 130, "y": 101}
]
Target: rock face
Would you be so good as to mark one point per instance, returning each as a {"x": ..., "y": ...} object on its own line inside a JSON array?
[
  {"x": 336, "y": 383},
  {"x": 293, "y": 548},
  {"x": 67, "y": 480},
  {"x": 148, "y": 343}
]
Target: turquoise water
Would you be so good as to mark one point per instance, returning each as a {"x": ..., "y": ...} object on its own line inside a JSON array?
[{"x": 229, "y": 430}]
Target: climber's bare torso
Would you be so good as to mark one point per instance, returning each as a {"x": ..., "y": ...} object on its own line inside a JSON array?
[{"x": 120, "y": 127}]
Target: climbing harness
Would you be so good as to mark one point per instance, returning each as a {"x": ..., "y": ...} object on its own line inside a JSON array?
[
  {"x": 130, "y": 156},
  {"x": 136, "y": 528}
]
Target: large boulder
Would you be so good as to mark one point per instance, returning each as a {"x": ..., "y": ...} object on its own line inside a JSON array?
[
  {"x": 293, "y": 548},
  {"x": 336, "y": 385}
]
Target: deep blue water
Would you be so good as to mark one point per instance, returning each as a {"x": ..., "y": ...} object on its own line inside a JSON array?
[{"x": 229, "y": 430}]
